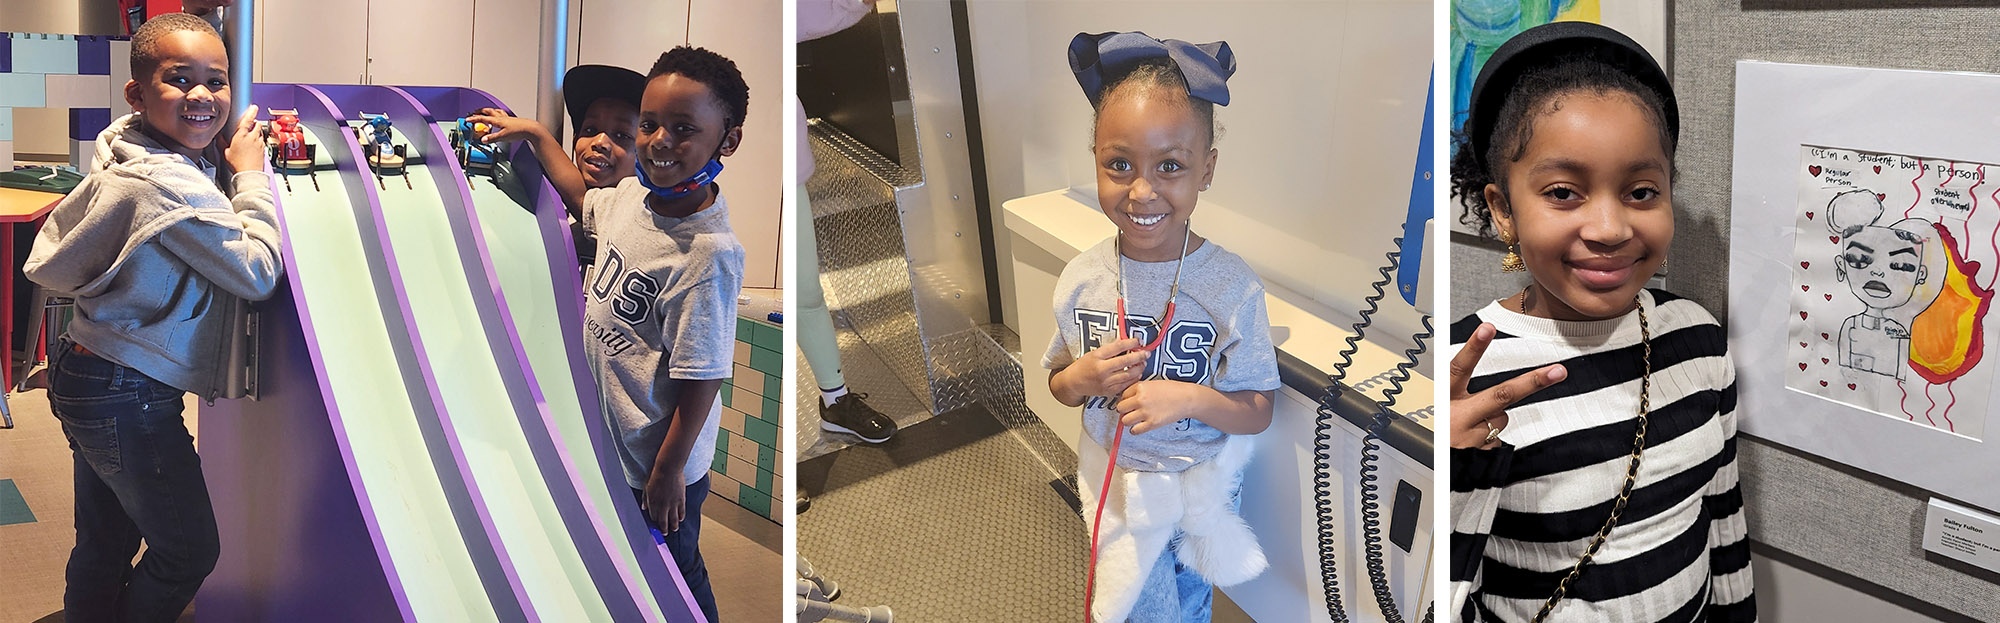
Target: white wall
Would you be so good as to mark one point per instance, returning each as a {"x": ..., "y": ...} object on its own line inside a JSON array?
[{"x": 1319, "y": 142}]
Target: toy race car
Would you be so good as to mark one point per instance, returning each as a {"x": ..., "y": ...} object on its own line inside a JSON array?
[
  {"x": 290, "y": 153},
  {"x": 384, "y": 157},
  {"x": 474, "y": 153}
]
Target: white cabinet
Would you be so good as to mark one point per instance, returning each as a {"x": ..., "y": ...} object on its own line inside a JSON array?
[
  {"x": 423, "y": 43},
  {"x": 491, "y": 45},
  {"x": 506, "y": 52},
  {"x": 322, "y": 42}
]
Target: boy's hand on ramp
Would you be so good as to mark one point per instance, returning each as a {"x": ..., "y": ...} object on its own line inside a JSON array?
[
  {"x": 505, "y": 128},
  {"x": 245, "y": 151}
]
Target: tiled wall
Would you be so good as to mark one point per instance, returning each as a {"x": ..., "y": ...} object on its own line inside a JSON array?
[
  {"x": 82, "y": 73},
  {"x": 747, "y": 470}
]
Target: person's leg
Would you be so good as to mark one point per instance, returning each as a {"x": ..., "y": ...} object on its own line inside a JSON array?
[
  {"x": 815, "y": 322},
  {"x": 840, "y": 410},
  {"x": 685, "y": 544},
  {"x": 129, "y": 431},
  {"x": 106, "y": 540},
  {"x": 1196, "y": 595},
  {"x": 1159, "y": 598},
  {"x": 168, "y": 499}
]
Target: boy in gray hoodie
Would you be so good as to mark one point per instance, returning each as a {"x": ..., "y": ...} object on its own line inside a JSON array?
[{"x": 157, "y": 243}]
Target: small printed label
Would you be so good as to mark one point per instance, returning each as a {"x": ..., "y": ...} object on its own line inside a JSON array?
[{"x": 1963, "y": 534}]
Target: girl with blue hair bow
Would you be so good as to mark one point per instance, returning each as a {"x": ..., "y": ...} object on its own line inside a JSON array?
[{"x": 1162, "y": 339}]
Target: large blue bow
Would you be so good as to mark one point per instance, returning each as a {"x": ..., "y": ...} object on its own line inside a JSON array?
[{"x": 1206, "y": 67}]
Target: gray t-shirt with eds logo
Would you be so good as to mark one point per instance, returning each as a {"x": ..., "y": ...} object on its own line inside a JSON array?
[
  {"x": 660, "y": 304},
  {"x": 1220, "y": 337}
]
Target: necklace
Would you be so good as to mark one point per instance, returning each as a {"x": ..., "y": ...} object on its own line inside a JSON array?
[
  {"x": 1173, "y": 292},
  {"x": 1118, "y": 434},
  {"x": 1631, "y": 470}
]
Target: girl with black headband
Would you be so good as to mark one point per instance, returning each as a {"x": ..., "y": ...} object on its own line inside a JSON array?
[
  {"x": 1593, "y": 421},
  {"x": 1162, "y": 339}
]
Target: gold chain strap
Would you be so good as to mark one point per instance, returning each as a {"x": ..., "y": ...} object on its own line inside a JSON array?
[{"x": 1631, "y": 471}]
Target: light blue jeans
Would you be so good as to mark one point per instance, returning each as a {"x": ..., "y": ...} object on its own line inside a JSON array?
[{"x": 1173, "y": 593}]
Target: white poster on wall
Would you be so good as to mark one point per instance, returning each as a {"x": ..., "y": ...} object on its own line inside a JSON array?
[{"x": 1864, "y": 252}]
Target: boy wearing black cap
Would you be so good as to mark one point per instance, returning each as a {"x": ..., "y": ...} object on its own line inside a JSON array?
[{"x": 603, "y": 106}]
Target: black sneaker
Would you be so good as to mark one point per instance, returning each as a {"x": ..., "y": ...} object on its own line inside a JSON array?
[{"x": 850, "y": 414}]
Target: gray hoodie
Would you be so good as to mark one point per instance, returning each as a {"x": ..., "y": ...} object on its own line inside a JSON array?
[{"x": 156, "y": 255}]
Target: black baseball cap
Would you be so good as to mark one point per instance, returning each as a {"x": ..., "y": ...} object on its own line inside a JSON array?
[
  {"x": 584, "y": 84},
  {"x": 1541, "y": 45}
]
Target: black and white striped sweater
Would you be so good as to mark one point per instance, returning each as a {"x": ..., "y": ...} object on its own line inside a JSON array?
[{"x": 1522, "y": 513}]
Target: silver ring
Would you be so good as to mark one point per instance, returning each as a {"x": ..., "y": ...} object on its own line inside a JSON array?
[{"x": 1492, "y": 433}]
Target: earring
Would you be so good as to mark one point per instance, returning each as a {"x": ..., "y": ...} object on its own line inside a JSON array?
[
  {"x": 1204, "y": 187},
  {"x": 1511, "y": 263}
]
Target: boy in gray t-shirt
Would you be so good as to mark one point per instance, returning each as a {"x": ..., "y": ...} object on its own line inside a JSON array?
[
  {"x": 660, "y": 304},
  {"x": 1220, "y": 337},
  {"x": 660, "y": 307}
]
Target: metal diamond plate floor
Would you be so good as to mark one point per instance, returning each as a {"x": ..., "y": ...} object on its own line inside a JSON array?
[{"x": 952, "y": 520}]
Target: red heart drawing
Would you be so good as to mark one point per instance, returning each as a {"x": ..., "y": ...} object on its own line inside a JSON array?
[
  {"x": 1881, "y": 197},
  {"x": 1809, "y": 216},
  {"x": 1823, "y": 360},
  {"x": 1814, "y": 169},
  {"x": 1802, "y": 344},
  {"x": 1802, "y": 315},
  {"x": 1802, "y": 367},
  {"x": 1850, "y": 386},
  {"x": 1822, "y": 383},
  {"x": 1805, "y": 264},
  {"x": 1828, "y": 296},
  {"x": 1833, "y": 238},
  {"x": 1824, "y": 336},
  {"x": 1805, "y": 288},
  {"x": 1878, "y": 169}
]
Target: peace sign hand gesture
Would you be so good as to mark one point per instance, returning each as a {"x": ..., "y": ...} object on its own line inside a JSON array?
[{"x": 1477, "y": 419}]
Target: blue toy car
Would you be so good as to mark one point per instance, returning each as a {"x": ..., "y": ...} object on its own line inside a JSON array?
[
  {"x": 377, "y": 143},
  {"x": 474, "y": 153}
]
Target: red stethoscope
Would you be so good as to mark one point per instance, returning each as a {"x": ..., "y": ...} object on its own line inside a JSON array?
[{"x": 1118, "y": 436}]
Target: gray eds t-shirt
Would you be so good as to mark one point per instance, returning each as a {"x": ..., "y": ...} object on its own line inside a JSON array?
[
  {"x": 660, "y": 304},
  {"x": 1220, "y": 337}
]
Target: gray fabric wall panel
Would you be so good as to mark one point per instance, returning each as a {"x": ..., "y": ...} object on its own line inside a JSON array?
[
  {"x": 1867, "y": 527},
  {"x": 1475, "y": 275}
]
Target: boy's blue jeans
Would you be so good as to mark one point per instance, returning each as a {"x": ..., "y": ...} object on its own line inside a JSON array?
[
  {"x": 685, "y": 545},
  {"x": 137, "y": 478}
]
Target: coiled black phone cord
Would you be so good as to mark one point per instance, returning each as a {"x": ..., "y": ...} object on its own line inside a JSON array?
[{"x": 1371, "y": 514}]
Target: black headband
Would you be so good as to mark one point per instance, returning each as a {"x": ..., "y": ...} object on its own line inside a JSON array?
[
  {"x": 1541, "y": 45},
  {"x": 1206, "y": 68}
]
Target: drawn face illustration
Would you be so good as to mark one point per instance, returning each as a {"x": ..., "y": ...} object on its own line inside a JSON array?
[{"x": 1882, "y": 266}]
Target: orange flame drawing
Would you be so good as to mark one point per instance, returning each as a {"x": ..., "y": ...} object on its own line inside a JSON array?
[{"x": 1947, "y": 339}]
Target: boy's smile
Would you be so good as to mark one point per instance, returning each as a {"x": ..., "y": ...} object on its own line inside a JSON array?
[
  {"x": 682, "y": 125},
  {"x": 1589, "y": 202},
  {"x": 1153, "y": 160},
  {"x": 185, "y": 100}
]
